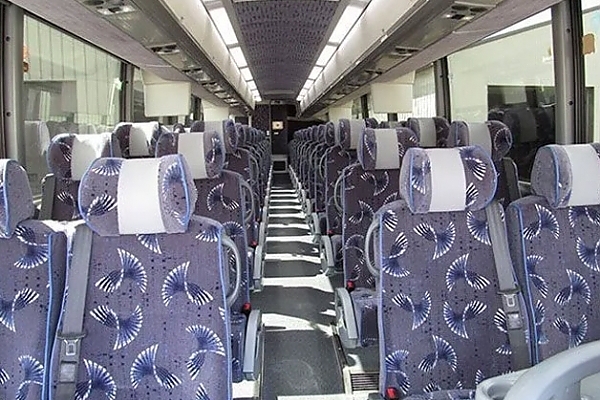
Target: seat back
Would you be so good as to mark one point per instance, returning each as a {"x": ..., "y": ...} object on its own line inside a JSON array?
[
  {"x": 367, "y": 186},
  {"x": 495, "y": 138},
  {"x": 136, "y": 140},
  {"x": 155, "y": 314},
  {"x": 37, "y": 139},
  {"x": 441, "y": 320},
  {"x": 69, "y": 157},
  {"x": 555, "y": 247},
  {"x": 432, "y": 132},
  {"x": 335, "y": 160},
  {"x": 220, "y": 196},
  {"x": 33, "y": 262}
]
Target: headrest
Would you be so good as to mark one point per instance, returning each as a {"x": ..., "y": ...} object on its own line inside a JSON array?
[
  {"x": 567, "y": 175},
  {"x": 70, "y": 155},
  {"x": 16, "y": 200},
  {"x": 137, "y": 196},
  {"x": 432, "y": 132},
  {"x": 203, "y": 152},
  {"x": 444, "y": 180},
  {"x": 321, "y": 132},
  {"x": 493, "y": 136},
  {"x": 371, "y": 123},
  {"x": 178, "y": 128},
  {"x": 330, "y": 134},
  {"x": 138, "y": 139},
  {"x": 385, "y": 148},
  {"x": 231, "y": 137},
  {"x": 350, "y": 131}
]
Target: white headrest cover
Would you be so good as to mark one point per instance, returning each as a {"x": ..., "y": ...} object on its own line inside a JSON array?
[
  {"x": 428, "y": 132},
  {"x": 447, "y": 194},
  {"x": 387, "y": 149},
  {"x": 356, "y": 128},
  {"x": 140, "y": 136},
  {"x": 139, "y": 201},
  {"x": 191, "y": 147},
  {"x": 479, "y": 135},
  {"x": 85, "y": 149},
  {"x": 585, "y": 175},
  {"x": 216, "y": 126}
]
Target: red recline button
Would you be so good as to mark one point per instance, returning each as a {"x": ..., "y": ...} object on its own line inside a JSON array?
[
  {"x": 392, "y": 393},
  {"x": 350, "y": 286}
]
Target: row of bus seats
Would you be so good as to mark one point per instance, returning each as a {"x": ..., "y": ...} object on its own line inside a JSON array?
[
  {"x": 356, "y": 190},
  {"x": 468, "y": 291},
  {"x": 151, "y": 250}
]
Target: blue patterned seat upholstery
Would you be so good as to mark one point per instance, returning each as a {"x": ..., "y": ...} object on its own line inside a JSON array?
[
  {"x": 367, "y": 186},
  {"x": 69, "y": 156},
  {"x": 442, "y": 325},
  {"x": 156, "y": 320},
  {"x": 136, "y": 140},
  {"x": 33, "y": 279},
  {"x": 432, "y": 132},
  {"x": 555, "y": 247},
  {"x": 220, "y": 197},
  {"x": 496, "y": 139}
]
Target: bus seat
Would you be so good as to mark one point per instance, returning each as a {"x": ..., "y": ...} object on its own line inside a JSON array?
[
  {"x": 221, "y": 196},
  {"x": 155, "y": 289},
  {"x": 555, "y": 247},
  {"x": 37, "y": 139},
  {"x": 136, "y": 140},
  {"x": 34, "y": 257},
  {"x": 367, "y": 186},
  {"x": 442, "y": 325},
  {"x": 495, "y": 138},
  {"x": 432, "y": 132},
  {"x": 69, "y": 156}
]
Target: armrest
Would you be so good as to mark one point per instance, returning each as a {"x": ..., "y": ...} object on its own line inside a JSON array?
[{"x": 559, "y": 376}]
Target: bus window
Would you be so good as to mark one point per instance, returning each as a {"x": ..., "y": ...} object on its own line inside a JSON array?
[
  {"x": 69, "y": 87},
  {"x": 510, "y": 77}
]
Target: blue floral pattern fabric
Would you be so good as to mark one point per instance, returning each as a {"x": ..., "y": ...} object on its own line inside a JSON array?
[
  {"x": 155, "y": 317},
  {"x": 34, "y": 255},
  {"x": 442, "y": 326},
  {"x": 66, "y": 189},
  {"x": 98, "y": 194},
  {"x": 442, "y": 130},
  {"x": 16, "y": 202},
  {"x": 554, "y": 247},
  {"x": 416, "y": 181}
]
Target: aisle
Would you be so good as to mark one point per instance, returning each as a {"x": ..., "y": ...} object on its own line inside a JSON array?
[{"x": 297, "y": 306}]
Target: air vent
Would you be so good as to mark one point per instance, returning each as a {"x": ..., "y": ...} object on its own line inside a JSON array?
[
  {"x": 110, "y": 7},
  {"x": 166, "y": 49},
  {"x": 365, "y": 382},
  {"x": 198, "y": 75},
  {"x": 465, "y": 12},
  {"x": 403, "y": 52}
]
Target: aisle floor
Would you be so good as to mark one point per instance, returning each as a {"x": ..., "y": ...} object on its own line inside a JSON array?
[{"x": 297, "y": 306}]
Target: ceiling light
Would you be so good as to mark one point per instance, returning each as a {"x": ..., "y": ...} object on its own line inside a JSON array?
[
  {"x": 246, "y": 74},
  {"x": 223, "y": 24},
  {"x": 326, "y": 55},
  {"x": 346, "y": 22},
  {"x": 252, "y": 85},
  {"x": 308, "y": 84},
  {"x": 238, "y": 57},
  {"x": 300, "y": 98},
  {"x": 315, "y": 73}
]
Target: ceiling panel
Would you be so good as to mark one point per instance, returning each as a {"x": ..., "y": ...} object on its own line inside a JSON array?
[{"x": 282, "y": 40}]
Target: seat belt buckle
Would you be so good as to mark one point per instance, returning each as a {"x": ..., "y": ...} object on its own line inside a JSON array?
[{"x": 70, "y": 344}]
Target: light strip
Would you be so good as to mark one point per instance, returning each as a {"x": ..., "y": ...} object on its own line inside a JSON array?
[
  {"x": 346, "y": 22},
  {"x": 252, "y": 85},
  {"x": 238, "y": 57},
  {"x": 246, "y": 74},
  {"x": 326, "y": 55},
  {"x": 223, "y": 24},
  {"x": 315, "y": 72},
  {"x": 308, "y": 84}
]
